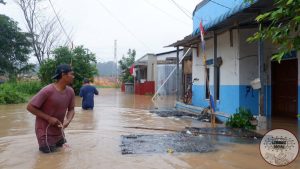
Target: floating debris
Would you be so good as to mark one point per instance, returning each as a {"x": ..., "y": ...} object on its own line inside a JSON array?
[
  {"x": 204, "y": 116},
  {"x": 192, "y": 139},
  {"x": 177, "y": 142},
  {"x": 170, "y": 151},
  {"x": 227, "y": 134},
  {"x": 188, "y": 132}
]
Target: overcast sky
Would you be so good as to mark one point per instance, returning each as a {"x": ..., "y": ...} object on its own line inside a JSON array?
[{"x": 144, "y": 25}]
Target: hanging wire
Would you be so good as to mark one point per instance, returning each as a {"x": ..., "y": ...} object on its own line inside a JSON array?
[
  {"x": 219, "y": 4},
  {"x": 56, "y": 15},
  {"x": 188, "y": 14},
  {"x": 123, "y": 25},
  {"x": 163, "y": 11}
]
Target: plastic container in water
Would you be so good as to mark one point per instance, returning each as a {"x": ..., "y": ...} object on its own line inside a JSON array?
[{"x": 129, "y": 88}]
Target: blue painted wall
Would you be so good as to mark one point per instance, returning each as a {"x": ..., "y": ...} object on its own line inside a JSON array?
[
  {"x": 229, "y": 98},
  {"x": 249, "y": 98},
  {"x": 232, "y": 97},
  {"x": 198, "y": 98}
]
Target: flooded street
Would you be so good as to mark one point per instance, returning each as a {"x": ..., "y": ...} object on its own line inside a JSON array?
[{"x": 94, "y": 138}]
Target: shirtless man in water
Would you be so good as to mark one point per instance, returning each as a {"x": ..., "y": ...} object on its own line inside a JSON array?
[{"x": 53, "y": 107}]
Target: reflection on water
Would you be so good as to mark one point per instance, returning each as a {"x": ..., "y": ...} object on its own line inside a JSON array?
[{"x": 94, "y": 138}]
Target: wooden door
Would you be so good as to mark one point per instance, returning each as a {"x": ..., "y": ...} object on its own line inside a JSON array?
[{"x": 285, "y": 88}]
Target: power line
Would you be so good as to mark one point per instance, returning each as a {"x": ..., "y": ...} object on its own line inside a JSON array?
[
  {"x": 156, "y": 7},
  {"x": 121, "y": 23},
  {"x": 219, "y": 4},
  {"x": 187, "y": 11},
  {"x": 214, "y": 3},
  {"x": 182, "y": 9},
  {"x": 68, "y": 37}
]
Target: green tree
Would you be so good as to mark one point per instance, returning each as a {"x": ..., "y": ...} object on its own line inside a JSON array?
[
  {"x": 125, "y": 64},
  {"x": 14, "y": 49},
  {"x": 280, "y": 26},
  {"x": 83, "y": 63}
]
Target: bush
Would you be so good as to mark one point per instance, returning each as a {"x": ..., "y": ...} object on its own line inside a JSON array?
[
  {"x": 17, "y": 92},
  {"x": 11, "y": 97},
  {"x": 241, "y": 119},
  {"x": 82, "y": 61},
  {"x": 29, "y": 88}
]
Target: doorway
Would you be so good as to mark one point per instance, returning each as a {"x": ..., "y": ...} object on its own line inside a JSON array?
[{"x": 285, "y": 89}]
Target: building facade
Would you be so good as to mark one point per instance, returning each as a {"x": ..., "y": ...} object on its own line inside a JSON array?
[{"x": 235, "y": 65}]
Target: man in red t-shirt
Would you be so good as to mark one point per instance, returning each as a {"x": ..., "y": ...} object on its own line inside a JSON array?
[{"x": 54, "y": 109}]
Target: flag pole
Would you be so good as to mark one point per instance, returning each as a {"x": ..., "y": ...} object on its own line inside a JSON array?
[{"x": 211, "y": 100}]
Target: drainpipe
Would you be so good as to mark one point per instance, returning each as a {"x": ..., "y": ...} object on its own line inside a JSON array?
[
  {"x": 261, "y": 76},
  {"x": 177, "y": 73},
  {"x": 215, "y": 67},
  {"x": 262, "y": 121}
]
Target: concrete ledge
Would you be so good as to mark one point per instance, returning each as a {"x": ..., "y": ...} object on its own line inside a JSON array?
[
  {"x": 188, "y": 108},
  {"x": 222, "y": 114},
  {"x": 197, "y": 110}
]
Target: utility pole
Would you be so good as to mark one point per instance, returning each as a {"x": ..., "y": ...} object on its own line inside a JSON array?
[
  {"x": 177, "y": 74},
  {"x": 116, "y": 60}
]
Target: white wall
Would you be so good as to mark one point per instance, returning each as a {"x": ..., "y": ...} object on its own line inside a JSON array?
[
  {"x": 173, "y": 54},
  {"x": 248, "y": 57},
  {"x": 151, "y": 67},
  {"x": 269, "y": 51},
  {"x": 229, "y": 68}
]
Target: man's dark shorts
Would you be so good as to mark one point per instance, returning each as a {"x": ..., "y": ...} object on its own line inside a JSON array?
[
  {"x": 53, "y": 148},
  {"x": 87, "y": 108}
]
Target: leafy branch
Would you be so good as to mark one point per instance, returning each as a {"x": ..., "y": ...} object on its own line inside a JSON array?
[{"x": 280, "y": 27}]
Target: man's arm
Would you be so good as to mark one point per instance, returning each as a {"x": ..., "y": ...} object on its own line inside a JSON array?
[
  {"x": 39, "y": 113},
  {"x": 71, "y": 112},
  {"x": 81, "y": 92},
  {"x": 69, "y": 117},
  {"x": 96, "y": 91}
]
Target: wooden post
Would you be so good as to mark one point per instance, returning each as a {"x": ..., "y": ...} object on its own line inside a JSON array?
[
  {"x": 215, "y": 77},
  {"x": 261, "y": 77},
  {"x": 177, "y": 73}
]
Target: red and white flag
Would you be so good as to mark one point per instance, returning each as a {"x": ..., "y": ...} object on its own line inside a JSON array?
[
  {"x": 202, "y": 35},
  {"x": 132, "y": 70}
]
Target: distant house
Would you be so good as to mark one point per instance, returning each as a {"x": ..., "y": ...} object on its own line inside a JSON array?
[
  {"x": 233, "y": 63},
  {"x": 153, "y": 69}
]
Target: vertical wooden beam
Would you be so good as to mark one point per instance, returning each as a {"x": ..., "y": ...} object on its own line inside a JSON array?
[
  {"x": 177, "y": 73},
  {"x": 261, "y": 73},
  {"x": 215, "y": 66},
  {"x": 215, "y": 76},
  {"x": 231, "y": 37}
]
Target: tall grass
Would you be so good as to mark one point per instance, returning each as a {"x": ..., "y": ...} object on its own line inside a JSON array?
[{"x": 18, "y": 92}]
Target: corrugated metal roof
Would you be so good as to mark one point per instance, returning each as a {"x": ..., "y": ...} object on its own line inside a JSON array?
[
  {"x": 242, "y": 15},
  {"x": 238, "y": 8}
]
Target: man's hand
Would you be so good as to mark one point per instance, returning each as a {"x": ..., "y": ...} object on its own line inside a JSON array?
[
  {"x": 69, "y": 117},
  {"x": 66, "y": 123},
  {"x": 54, "y": 121}
]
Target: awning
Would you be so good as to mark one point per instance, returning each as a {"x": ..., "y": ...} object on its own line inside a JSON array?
[{"x": 242, "y": 15}]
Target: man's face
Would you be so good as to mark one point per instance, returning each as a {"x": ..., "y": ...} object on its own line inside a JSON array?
[{"x": 68, "y": 77}]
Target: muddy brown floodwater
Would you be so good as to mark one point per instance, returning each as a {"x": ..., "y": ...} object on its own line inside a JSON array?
[{"x": 94, "y": 138}]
